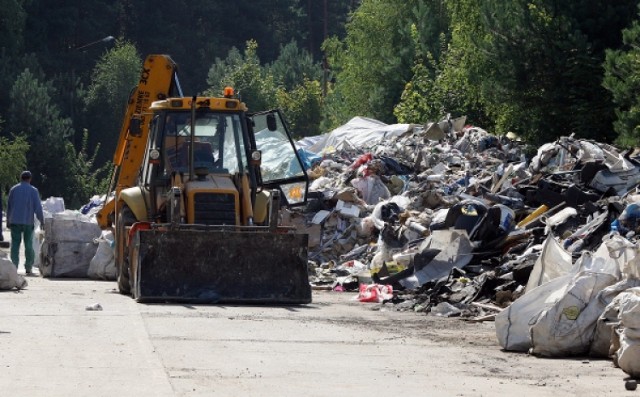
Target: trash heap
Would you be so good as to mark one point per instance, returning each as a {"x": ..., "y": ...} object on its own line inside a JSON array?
[{"x": 450, "y": 220}]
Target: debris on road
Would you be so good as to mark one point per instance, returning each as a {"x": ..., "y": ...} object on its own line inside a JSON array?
[{"x": 96, "y": 307}]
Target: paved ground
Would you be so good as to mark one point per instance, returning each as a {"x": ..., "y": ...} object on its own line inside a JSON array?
[{"x": 50, "y": 345}]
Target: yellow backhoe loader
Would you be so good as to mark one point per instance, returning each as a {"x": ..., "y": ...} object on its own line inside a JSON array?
[{"x": 198, "y": 185}]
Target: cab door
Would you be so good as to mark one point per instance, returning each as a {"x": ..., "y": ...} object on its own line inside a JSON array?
[{"x": 281, "y": 165}]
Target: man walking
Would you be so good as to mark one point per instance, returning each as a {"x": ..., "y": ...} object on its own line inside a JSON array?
[{"x": 23, "y": 203}]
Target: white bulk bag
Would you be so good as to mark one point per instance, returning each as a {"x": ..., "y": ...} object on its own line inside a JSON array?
[
  {"x": 553, "y": 262},
  {"x": 628, "y": 355},
  {"x": 9, "y": 277},
  {"x": 548, "y": 302},
  {"x": 103, "y": 264},
  {"x": 567, "y": 327},
  {"x": 608, "y": 320}
]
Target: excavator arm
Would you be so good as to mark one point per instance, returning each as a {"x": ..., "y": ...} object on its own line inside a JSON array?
[{"x": 158, "y": 80}]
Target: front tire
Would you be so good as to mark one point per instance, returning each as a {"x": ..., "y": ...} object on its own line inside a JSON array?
[{"x": 125, "y": 218}]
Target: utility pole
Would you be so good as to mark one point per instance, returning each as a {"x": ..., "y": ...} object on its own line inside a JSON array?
[{"x": 325, "y": 63}]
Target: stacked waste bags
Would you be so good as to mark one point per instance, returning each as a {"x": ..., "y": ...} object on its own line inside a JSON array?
[
  {"x": 558, "y": 317},
  {"x": 68, "y": 245}
]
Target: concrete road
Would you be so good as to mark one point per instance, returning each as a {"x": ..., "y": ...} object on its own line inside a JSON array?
[{"x": 50, "y": 345}]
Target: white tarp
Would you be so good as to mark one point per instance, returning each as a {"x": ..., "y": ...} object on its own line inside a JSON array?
[
  {"x": 276, "y": 163},
  {"x": 359, "y": 132}
]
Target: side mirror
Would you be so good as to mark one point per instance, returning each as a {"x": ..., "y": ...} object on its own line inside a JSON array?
[
  {"x": 135, "y": 126},
  {"x": 272, "y": 125}
]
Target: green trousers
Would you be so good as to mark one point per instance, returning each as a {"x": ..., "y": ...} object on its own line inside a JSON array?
[{"x": 17, "y": 233}]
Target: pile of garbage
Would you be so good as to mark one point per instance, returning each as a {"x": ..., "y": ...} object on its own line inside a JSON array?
[{"x": 450, "y": 220}]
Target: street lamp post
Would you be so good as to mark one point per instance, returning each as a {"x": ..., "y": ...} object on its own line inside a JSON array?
[{"x": 102, "y": 40}]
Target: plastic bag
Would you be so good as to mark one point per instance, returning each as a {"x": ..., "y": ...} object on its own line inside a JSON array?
[
  {"x": 9, "y": 277},
  {"x": 375, "y": 293},
  {"x": 103, "y": 264},
  {"x": 372, "y": 189},
  {"x": 38, "y": 239}
]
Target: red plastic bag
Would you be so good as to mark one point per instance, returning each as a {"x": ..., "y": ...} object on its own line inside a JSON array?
[
  {"x": 375, "y": 293},
  {"x": 363, "y": 159}
]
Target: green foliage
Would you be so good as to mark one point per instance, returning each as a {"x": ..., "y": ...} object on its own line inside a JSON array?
[
  {"x": 299, "y": 93},
  {"x": 10, "y": 68},
  {"x": 115, "y": 74},
  {"x": 34, "y": 115},
  {"x": 113, "y": 78},
  {"x": 374, "y": 63},
  {"x": 58, "y": 170},
  {"x": 293, "y": 66},
  {"x": 88, "y": 180},
  {"x": 13, "y": 18},
  {"x": 419, "y": 101},
  {"x": 539, "y": 65},
  {"x": 302, "y": 107},
  {"x": 13, "y": 159},
  {"x": 622, "y": 79},
  {"x": 244, "y": 73},
  {"x": 287, "y": 84},
  {"x": 415, "y": 104},
  {"x": 334, "y": 113}
]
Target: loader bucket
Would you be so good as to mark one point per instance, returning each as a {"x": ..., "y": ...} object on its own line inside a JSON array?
[{"x": 206, "y": 266}]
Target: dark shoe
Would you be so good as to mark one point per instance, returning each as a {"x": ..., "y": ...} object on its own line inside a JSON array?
[{"x": 30, "y": 273}]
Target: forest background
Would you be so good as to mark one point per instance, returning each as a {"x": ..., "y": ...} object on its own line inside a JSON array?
[{"x": 539, "y": 68}]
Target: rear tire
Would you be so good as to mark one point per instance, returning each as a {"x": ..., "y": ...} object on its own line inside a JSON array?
[{"x": 125, "y": 218}]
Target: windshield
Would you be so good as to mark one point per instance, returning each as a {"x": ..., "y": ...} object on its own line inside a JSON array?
[{"x": 218, "y": 143}]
